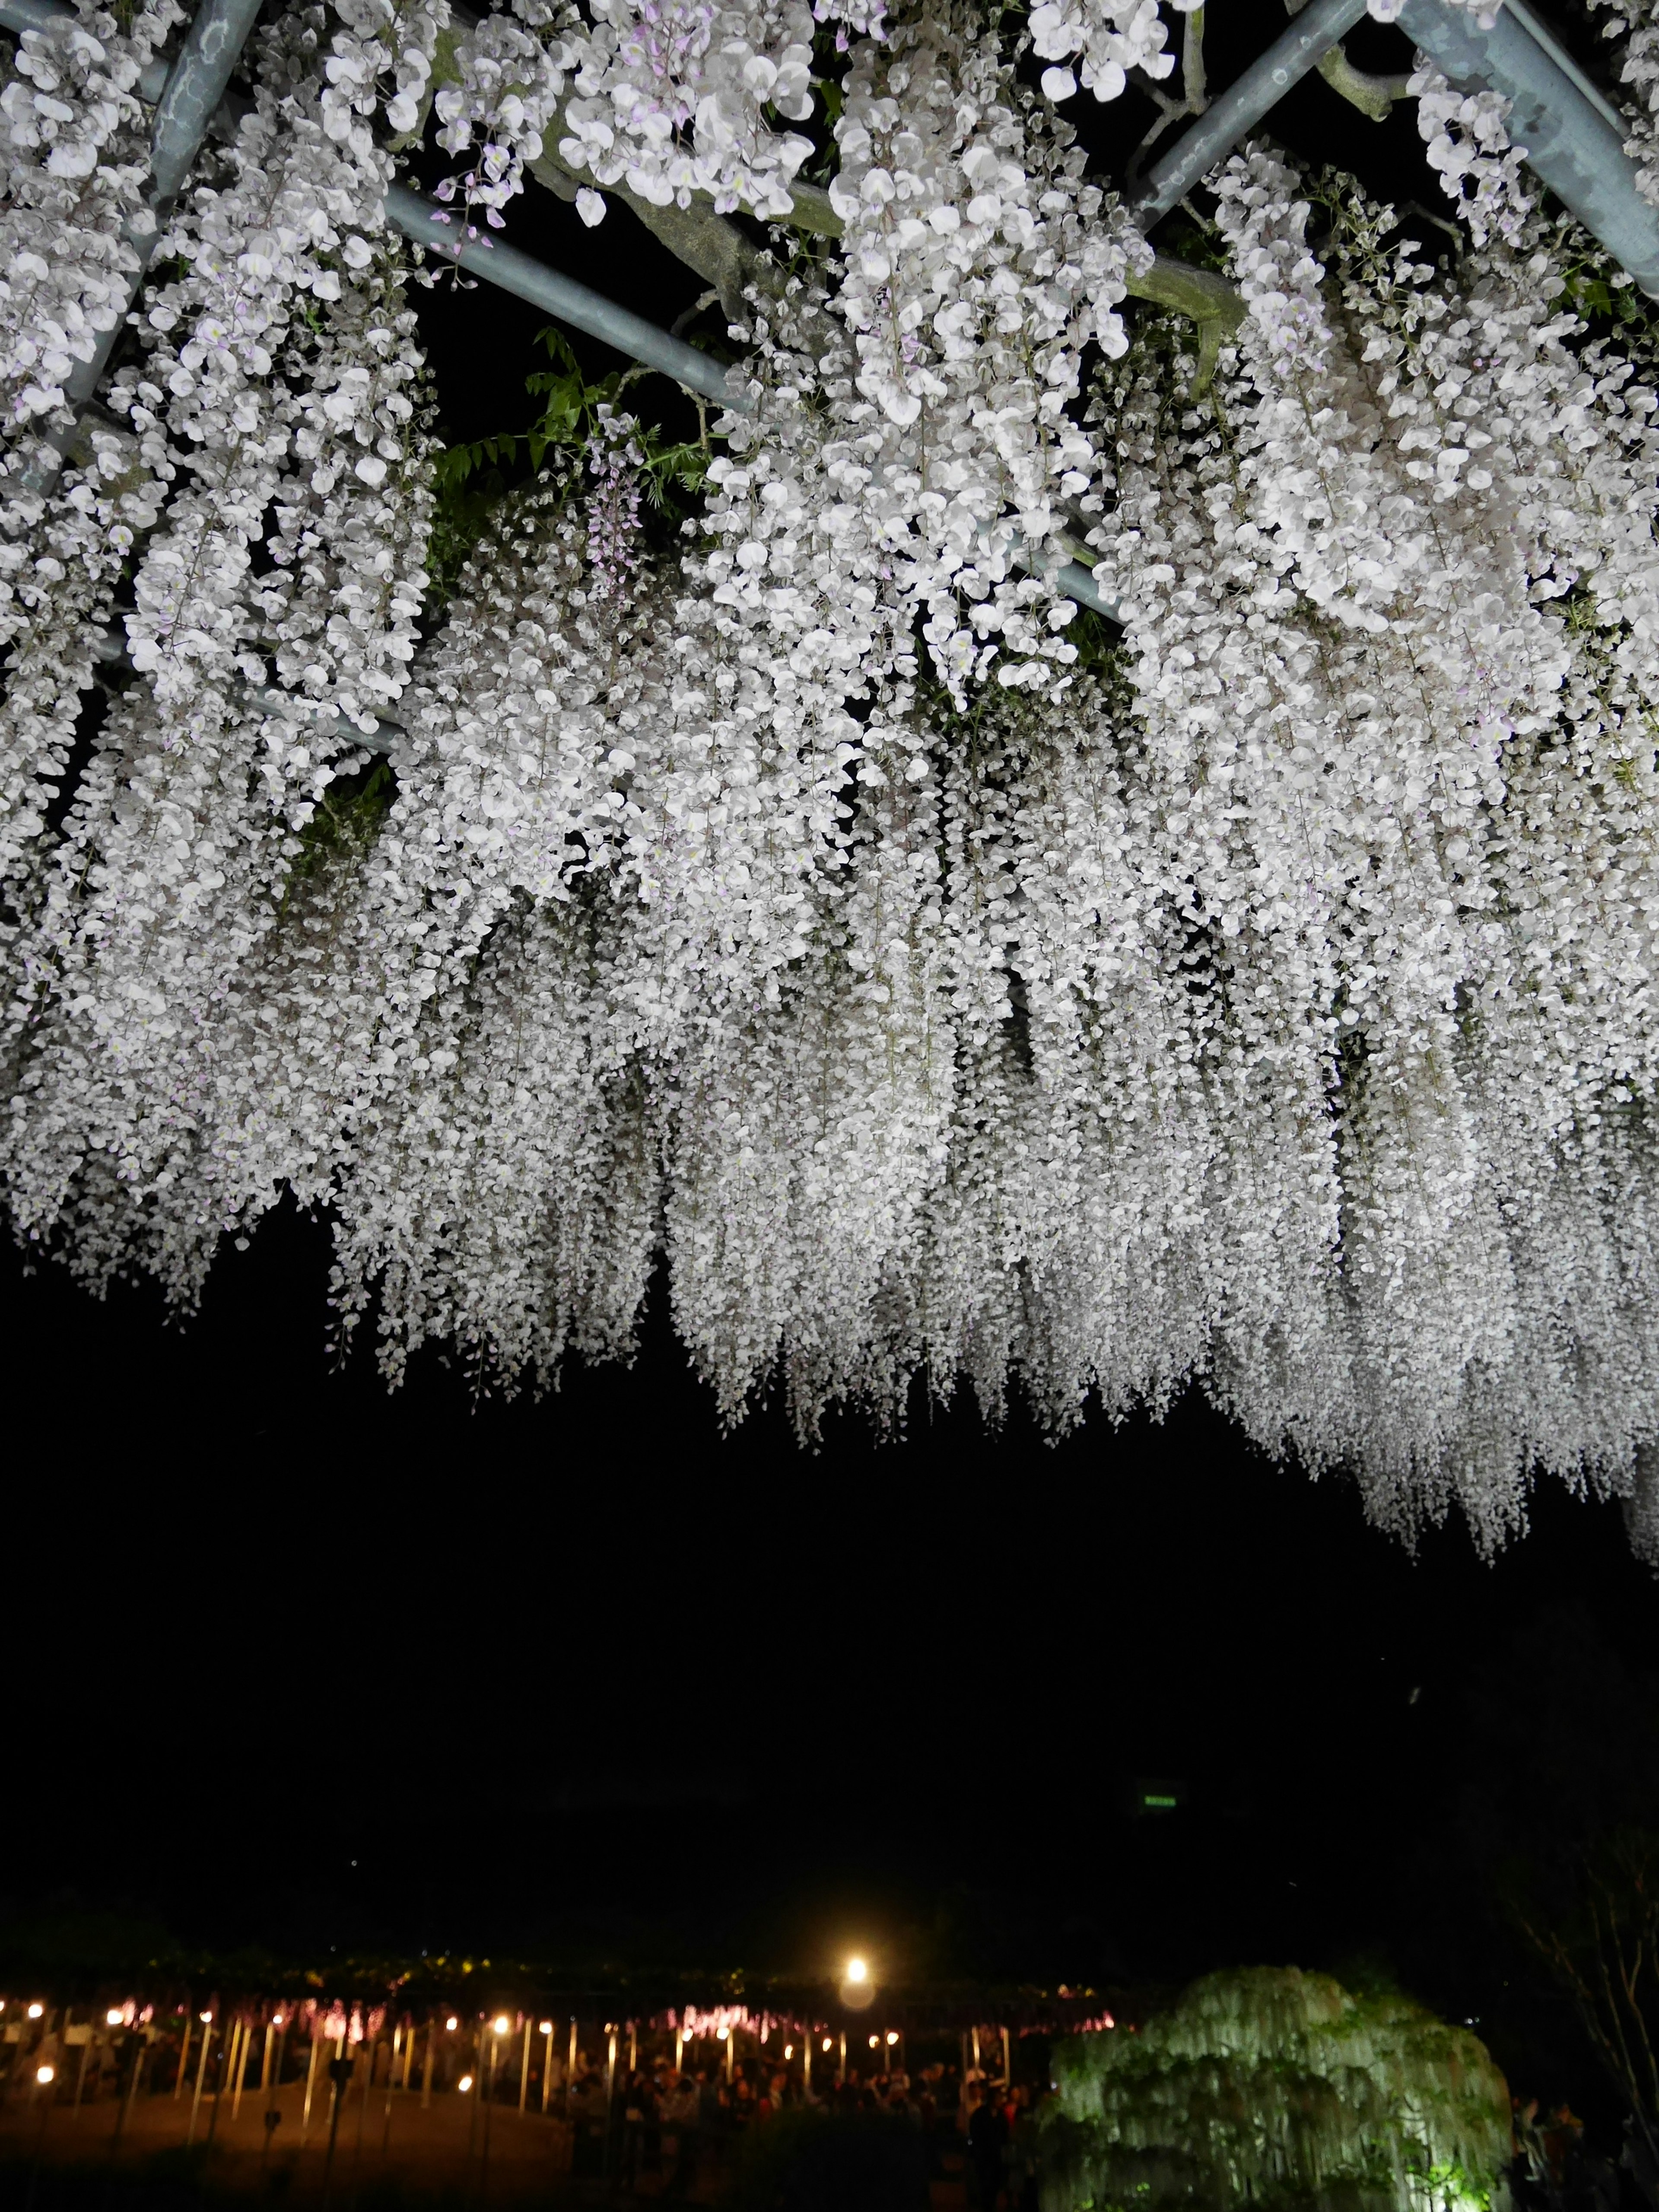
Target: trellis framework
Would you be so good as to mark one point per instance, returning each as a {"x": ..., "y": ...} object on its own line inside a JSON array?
[{"x": 1263, "y": 995}]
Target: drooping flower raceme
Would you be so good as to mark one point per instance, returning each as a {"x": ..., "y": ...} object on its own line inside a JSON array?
[
  {"x": 938, "y": 991},
  {"x": 74, "y": 142}
]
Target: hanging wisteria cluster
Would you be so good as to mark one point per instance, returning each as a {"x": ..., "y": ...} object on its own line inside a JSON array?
[{"x": 941, "y": 984}]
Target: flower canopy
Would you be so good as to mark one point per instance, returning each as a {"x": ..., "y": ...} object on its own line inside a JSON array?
[{"x": 792, "y": 886}]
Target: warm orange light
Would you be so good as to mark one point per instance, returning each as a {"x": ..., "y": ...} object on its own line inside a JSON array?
[
  {"x": 43, "y": 2074},
  {"x": 452, "y": 2023},
  {"x": 277, "y": 2019},
  {"x": 466, "y": 2082},
  {"x": 35, "y": 2011},
  {"x": 788, "y": 2050},
  {"x": 874, "y": 2040},
  {"x": 206, "y": 2015},
  {"x": 502, "y": 2023},
  {"x": 826, "y": 2043},
  {"x": 858, "y": 1970},
  {"x": 720, "y": 2033},
  {"x": 892, "y": 2035},
  {"x": 113, "y": 2017},
  {"x": 547, "y": 2027}
]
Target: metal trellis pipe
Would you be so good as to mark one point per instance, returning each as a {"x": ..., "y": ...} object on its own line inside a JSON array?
[
  {"x": 185, "y": 103},
  {"x": 630, "y": 334},
  {"x": 1572, "y": 138},
  {"x": 1298, "y": 49},
  {"x": 499, "y": 263}
]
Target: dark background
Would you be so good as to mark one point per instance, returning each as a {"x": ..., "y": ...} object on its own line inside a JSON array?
[{"x": 292, "y": 1662}]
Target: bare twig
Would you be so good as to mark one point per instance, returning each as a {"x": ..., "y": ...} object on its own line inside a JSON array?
[{"x": 1192, "y": 63}]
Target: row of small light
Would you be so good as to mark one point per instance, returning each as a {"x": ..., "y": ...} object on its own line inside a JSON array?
[
  {"x": 501, "y": 2026},
  {"x": 858, "y": 1974}
]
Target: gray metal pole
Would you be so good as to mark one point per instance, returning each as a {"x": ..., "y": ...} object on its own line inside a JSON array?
[
  {"x": 1568, "y": 139},
  {"x": 190, "y": 91},
  {"x": 195, "y": 87},
  {"x": 630, "y": 334},
  {"x": 1309, "y": 39},
  {"x": 573, "y": 303}
]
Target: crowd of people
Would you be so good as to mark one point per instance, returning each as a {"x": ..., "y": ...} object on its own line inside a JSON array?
[{"x": 672, "y": 2126}]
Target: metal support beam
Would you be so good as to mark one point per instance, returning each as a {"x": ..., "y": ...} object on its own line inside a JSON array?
[
  {"x": 1241, "y": 106},
  {"x": 497, "y": 263},
  {"x": 189, "y": 93},
  {"x": 1569, "y": 141},
  {"x": 630, "y": 334}
]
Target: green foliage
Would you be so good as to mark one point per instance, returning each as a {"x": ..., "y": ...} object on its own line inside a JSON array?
[
  {"x": 472, "y": 479},
  {"x": 348, "y": 817}
]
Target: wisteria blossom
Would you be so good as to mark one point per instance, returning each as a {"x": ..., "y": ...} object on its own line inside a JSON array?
[{"x": 798, "y": 894}]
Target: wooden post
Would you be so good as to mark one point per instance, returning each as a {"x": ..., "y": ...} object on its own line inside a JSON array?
[
  {"x": 80, "y": 2082},
  {"x": 126, "y": 2104},
  {"x": 976, "y": 2063},
  {"x": 201, "y": 2075},
  {"x": 184, "y": 2057},
  {"x": 370, "y": 2052},
  {"x": 679, "y": 2050},
  {"x": 476, "y": 2093},
  {"x": 426, "y": 2070},
  {"x": 242, "y": 2067},
  {"x": 264, "y": 2063},
  {"x": 806, "y": 2065},
  {"x": 570, "y": 2070},
  {"x": 390, "y": 2086},
  {"x": 730, "y": 2054},
  {"x": 843, "y": 2058},
  {"x": 547, "y": 2068},
  {"x": 1007, "y": 2069},
  {"x": 221, "y": 2078},
  {"x": 523, "y": 2067},
  {"x": 610, "y": 2096},
  {"x": 311, "y": 2084}
]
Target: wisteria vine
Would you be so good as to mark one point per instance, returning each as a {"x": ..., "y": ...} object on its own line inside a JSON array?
[{"x": 944, "y": 989}]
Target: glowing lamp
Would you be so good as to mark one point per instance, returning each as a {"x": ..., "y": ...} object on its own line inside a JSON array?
[
  {"x": 452, "y": 2023},
  {"x": 43, "y": 2074},
  {"x": 826, "y": 2043},
  {"x": 721, "y": 2033},
  {"x": 35, "y": 2011},
  {"x": 277, "y": 2019},
  {"x": 113, "y": 2017},
  {"x": 502, "y": 2023},
  {"x": 892, "y": 2035},
  {"x": 788, "y": 2050},
  {"x": 205, "y": 2016},
  {"x": 465, "y": 2083},
  {"x": 858, "y": 1970},
  {"x": 547, "y": 2027}
]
